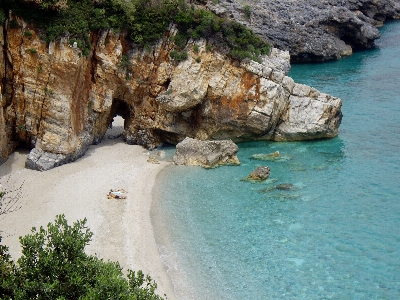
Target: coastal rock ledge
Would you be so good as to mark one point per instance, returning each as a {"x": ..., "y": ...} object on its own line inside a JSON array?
[
  {"x": 312, "y": 30},
  {"x": 57, "y": 102}
]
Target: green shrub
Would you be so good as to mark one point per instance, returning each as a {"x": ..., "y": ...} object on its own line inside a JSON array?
[
  {"x": 145, "y": 21},
  {"x": 125, "y": 63},
  {"x": 198, "y": 59},
  {"x": 240, "y": 41},
  {"x": 27, "y": 33},
  {"x": 86, "y": 52},
  {"x": 179, "y": 56},
  {"x": 48, "y": 92},
  {"x": 196, "y": 48},
  {"x": 2, "y": 16},
  {"x": 54, "y": 265},
  {"x": 32, "y": 50},
  {"x": 180, "y": 40},
  {"x": 247, "y": 11},
  {"x": 152, "y": 19}
]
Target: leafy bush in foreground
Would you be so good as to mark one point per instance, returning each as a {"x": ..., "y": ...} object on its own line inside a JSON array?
[{"x": 54, "y": 265}]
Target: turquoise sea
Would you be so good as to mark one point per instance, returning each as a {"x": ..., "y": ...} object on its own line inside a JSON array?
[{"x": 335, "y": 234}]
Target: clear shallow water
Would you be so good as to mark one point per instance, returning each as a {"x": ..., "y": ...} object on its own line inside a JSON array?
[{"x": 334, "y": 235}]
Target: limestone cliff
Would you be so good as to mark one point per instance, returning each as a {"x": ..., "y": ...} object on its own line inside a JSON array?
[{"x": 57, "y": 102}]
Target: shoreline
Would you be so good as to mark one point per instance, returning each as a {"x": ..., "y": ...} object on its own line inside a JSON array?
[
  {"x": 122, "y": 228},
  {"x": 163, "y": 238}
]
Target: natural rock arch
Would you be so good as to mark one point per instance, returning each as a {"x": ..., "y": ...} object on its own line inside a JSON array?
[
  {"x": 68, "y": 103},
  {"x": 123, "y": 109}
]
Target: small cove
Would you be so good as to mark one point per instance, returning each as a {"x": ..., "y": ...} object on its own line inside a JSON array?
[{"x": 332, "y": 235}]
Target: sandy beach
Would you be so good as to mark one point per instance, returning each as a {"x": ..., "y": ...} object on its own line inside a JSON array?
[{"x": 122, "y": 228}]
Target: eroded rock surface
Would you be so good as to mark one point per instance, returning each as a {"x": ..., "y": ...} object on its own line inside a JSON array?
[
  {"x": 313, "y": 30},
  {"x": 57, "y": 102},
  {"x": 259, "y": 174},
  {"x": 207, "y": 154}
]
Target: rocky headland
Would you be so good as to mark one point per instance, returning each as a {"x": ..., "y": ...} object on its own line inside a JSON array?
[
  {"x": 312, "y": 30},
  {"x": 57, "y": 102}
]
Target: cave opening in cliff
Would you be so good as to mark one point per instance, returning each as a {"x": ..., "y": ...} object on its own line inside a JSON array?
[{"x": 118, "y": 119}]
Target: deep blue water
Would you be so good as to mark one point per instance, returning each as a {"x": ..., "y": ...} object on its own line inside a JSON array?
[{"x": 334, "y": 235}]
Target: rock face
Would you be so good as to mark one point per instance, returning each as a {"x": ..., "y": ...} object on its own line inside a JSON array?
[
  {"x": 259, "y": 174},
  {"x": 57, "y": 102},
  {"x": 313, "y": 30},
  {"x": 208, "y": 154}
]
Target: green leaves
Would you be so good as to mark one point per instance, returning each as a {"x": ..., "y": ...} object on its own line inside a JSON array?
[
  {"x": 146, "y": 21},
  {"x": 240, "y": 41},
  {"x": 178, "y": 55},
  {"x": 7, "y": 270},
  {"x": 53, "y": 261},
  {"x": 54, "y": 265},
  {"x": 142, "y": 286}
]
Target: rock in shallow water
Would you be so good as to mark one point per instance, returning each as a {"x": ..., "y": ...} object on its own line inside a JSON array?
[
  {"x": 285, "y": 186},
  {"x": 261, "y": 173},
  {"x": 270, "y": 157}
]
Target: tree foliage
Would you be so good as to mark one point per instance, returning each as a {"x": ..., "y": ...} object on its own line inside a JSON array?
[
  {"x": 145, "y": 20},
  {"x": 237, "y": 40},
  {"x": 54, "y": 265}
]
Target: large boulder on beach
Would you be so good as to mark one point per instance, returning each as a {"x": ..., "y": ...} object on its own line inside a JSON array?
[{"x": 208, "y": 154}]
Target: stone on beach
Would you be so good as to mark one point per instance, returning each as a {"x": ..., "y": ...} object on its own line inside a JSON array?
[{"x": 208, "y": 154}]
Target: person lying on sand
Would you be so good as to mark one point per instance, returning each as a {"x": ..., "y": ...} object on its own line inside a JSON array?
[{"x": 116, "y": 194}]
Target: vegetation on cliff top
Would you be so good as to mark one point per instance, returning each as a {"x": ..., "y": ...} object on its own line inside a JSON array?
[
  {"x": 146, "y": 21},
  {"x": 54, "y": 265}
]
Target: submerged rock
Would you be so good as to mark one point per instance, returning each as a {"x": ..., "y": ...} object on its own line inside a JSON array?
[
  {"x": 259, "y": 174},
  {"x": 282, "y": 196},
  {"x": 285, "y": 186},
  {"x": 276, "y": 156},
  {"x": 208, "y": 154},
  {"x": 267, "y": 190}
]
